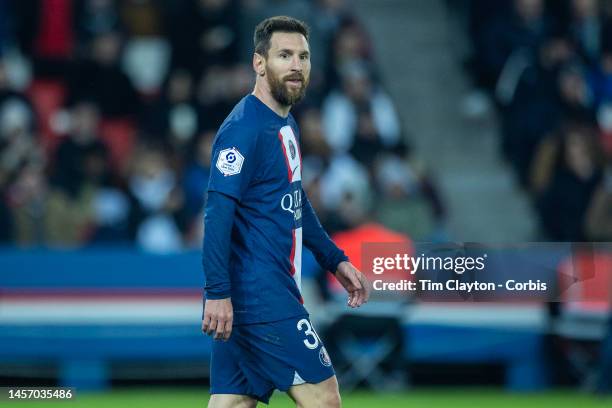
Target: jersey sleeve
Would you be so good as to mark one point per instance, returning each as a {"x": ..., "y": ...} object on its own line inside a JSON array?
[
  {"x": 234, "y": 161},
  {"x": 218, "y": 221}
]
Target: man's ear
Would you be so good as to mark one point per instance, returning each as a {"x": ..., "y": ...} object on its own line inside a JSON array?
[{"x": 259, "y": 63}]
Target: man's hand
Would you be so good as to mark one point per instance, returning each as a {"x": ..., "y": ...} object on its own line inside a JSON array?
[
  {"x": 218, "y": 318},
  {"x": 355, "y": 283}
]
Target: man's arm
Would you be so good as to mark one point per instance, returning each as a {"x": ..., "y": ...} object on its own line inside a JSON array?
[
  {"x": 332, "y": 258},
  {"x": 218, "y": 219},
  {"x": 234, "y": 153}
]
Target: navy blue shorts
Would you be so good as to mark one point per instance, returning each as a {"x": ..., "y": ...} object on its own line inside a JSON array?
[{"x": 259, "y": 358}]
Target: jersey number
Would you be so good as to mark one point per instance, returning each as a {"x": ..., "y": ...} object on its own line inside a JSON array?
[{"x": 309, "y": 333}]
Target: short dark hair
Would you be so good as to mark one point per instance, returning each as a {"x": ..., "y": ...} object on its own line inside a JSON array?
[{"x": 284, "y": 24}]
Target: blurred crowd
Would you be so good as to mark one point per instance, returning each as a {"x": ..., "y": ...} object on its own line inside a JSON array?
[
  {"x": 108, "y": 111},
  {"x": 548, "y": 66}
]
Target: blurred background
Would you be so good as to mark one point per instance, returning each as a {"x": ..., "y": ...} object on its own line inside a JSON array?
[{"x": 425, "y": 121}]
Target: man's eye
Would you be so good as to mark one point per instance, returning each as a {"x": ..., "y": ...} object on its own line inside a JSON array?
[
  {"x": 284, "y": 56},
  {"x": 303, "y": 57}
]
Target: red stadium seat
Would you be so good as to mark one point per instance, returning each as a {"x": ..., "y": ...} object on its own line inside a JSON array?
[
  {"x": 47, "y": 96},
  {"x": 587, "y": 281},
  {"x": 376, "y": 240},
  {"x": 119, "y": 135},
  {"x": 582, "y": 323},
  {"x": 606, "y": 141}
]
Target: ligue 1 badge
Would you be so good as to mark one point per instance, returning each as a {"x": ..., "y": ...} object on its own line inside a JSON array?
[
  {"x": 230, "y": 161},
  {"x": 291, "y": 149},
  {"x": 324, "y": 357}
]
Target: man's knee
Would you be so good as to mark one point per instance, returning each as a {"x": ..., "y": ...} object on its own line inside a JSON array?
[
  {"x": 324, "y": 394},
  {"x": 331, "y": 397},
  {"x": 231, "y": 401}
]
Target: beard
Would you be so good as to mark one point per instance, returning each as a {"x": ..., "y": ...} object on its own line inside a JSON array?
[{"x": 281, "y": 92}]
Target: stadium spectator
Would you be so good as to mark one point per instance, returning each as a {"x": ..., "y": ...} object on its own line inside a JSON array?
[
  {"x": 8, "y": 91},
  {"x": 6, "y": 220},
  {"x": 525, "y": 27},
  {"x": 350, "y": 46},
  {"x": 408, "y": 202},
  {"x": 18, "y": 143},
  {"x": 98, "y": 213},
  {"x": 111, "y": 90},
  {"x": 575, "y": 96},
  {"x": 22, "y": 179},
  {"x": 95, "y": 17},
  {"x": 46, "y": 31},
  {"x": 319, "y": 163},
  {"x": 68, "y": 163},
  {"x": 208, "y": 34},
  {"x": 142, "y": 18},
  {"x": 6, "y": 34},
  {"x": 567, "y": 182},
  {"x": 111, "y": 206},
  {"x": 147, "y": 53},
  {"x": 313, "y": 140},
  {"x": 27, "y": 198},
  {"x": 329, "y": 16},
  {"x": 219, "y": 89},
  {"x": 528, "y": 88},
  {"x": 481, "y": 15},
  {"x": 175, "y": 117},
  {"x": 604, "y": 121},
  {"x": 156, "y": 201},
  {"x": 325, "y": 17},
  {"x": 197, "y": 172},
  {"x": 585, "y": 29},
  {"x": 368, "y": 144},
  {"x": 361, "y": 105},
  {"x": 78, "y": 167},
  {"x": 599, "y": 215},
  {"x": 600, "y": 79}
]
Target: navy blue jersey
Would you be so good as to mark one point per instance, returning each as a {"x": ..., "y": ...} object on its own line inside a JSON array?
[{"x": 256, "y": 161}]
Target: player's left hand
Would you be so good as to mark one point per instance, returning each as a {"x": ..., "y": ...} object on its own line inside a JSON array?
[{"x": 355, "y": 283}]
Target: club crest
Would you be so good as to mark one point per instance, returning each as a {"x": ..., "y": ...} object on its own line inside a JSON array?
[
  {"x": 292, "y": 150},
  {"x": 324, "y": 357}
]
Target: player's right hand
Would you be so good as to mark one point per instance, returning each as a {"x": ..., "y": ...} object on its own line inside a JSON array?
[{"x": 218, "y": 318}]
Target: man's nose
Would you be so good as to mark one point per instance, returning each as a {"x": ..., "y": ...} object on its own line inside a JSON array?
[{"x": 296, "y": 64}]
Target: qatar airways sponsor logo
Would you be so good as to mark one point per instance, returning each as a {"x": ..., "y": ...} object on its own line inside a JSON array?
[{"x": 292, "y": 202}]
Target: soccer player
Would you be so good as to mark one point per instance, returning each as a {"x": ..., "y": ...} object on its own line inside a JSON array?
[{"x": 257, "y": 216}]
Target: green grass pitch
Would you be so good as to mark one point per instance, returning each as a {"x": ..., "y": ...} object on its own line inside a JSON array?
[{"x": 421, "y": 397}]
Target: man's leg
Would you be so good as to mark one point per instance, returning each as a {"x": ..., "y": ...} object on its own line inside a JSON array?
[
  {"x": 322, "y": 395},
  {"x": 231, "y": 401},
  {"x": 229, "y": 385}
]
